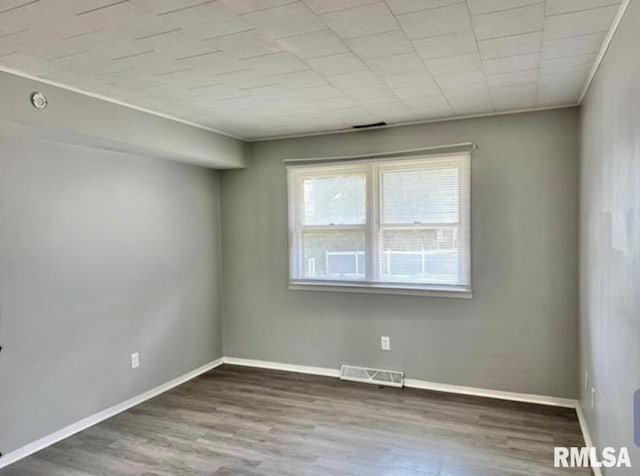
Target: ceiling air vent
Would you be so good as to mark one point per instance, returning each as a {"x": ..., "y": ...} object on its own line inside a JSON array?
[
  {"x": 367, "y": 126},
  {"x": 391, "y": 378}
]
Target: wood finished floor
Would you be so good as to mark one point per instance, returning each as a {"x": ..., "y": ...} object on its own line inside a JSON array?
[{"x": 236, "y": 421}]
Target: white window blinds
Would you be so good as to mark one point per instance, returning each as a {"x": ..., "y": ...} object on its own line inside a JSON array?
[{"x": 401, "y": 223}]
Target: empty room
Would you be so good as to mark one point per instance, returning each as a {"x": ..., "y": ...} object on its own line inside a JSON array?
[{"x": 319, "y": 237}]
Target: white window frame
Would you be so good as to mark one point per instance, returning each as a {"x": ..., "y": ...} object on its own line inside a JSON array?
[{"x": 372, "y": 170}]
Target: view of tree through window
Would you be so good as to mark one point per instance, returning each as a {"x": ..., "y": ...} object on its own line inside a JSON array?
[{"x": 335, "y": 200}]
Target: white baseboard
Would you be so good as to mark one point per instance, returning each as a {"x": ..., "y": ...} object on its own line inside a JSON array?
[
  {"x": 488, "y": 393},
  {"x": 301, "y": 369},
  {"x": 414, "y": 383},
  {"x": 588, "y": 441},
  {"x": 85, "y": 423}
]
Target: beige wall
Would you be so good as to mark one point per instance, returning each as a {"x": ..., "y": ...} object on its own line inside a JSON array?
[
  {"x": 610, "y": 242},
  {"x": 518, "y": 333}
]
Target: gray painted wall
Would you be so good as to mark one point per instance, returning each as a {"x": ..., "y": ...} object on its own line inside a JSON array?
[
  {"x": 610, "y": 242},
  {"x": 101, "y": 254},
  {"x": 518, "y": 333}
]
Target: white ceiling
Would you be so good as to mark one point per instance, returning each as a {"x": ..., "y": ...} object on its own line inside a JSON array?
[{"x": 264, "y": 68}]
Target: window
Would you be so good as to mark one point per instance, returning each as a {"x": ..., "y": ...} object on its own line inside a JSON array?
[{"x": 399, "y": 224}]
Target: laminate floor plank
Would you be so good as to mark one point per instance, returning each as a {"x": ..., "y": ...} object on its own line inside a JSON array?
[{"x": 236, "y": 421}]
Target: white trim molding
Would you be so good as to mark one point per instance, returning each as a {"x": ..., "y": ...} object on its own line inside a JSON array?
[
  {"x": 588, "y": 441},
  {"x": 301, "y": 369},
  {"x": 96, "y": 418},
  {"x": 488, "y": 393}
]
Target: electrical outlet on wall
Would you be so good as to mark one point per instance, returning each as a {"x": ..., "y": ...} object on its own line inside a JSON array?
[
  {"x": 385, "y": 343},
  {"x": 135, "y": 360}
]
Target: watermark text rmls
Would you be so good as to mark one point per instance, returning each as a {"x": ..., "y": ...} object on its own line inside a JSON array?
[{"x": 589, "y": 457}]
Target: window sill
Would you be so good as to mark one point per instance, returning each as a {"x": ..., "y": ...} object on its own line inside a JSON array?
[{"x": 402, "y": 290}]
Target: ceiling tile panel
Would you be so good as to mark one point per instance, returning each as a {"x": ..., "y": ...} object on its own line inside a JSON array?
[
  {"x": 242, "y": 6},
  {"x": 567, "y": 63},
  {"x": 579, "y": 23},
  {"x": 460, "y": 93},
  {"x": 337, "y": 64},
  {"x": 509, "y": 22},
  {"x": 511, "y": 45},
  {"x": 245, "y": 44},
  {"x": 354, "y": 80},
  {"x": 461, "y": 79},
  {"x": 518, "y": 96},
  {"x": 299, "y": 79},
  {"x": 274, "y": 63},
  {"x": 324, "y": 6},
  {"x": 400, "y": 7},
  {"x": 431, "y": 111},
  {"x": 361, "y": 21},
  {"x": 285, "y": 20},
  {"x": 415, "y": 97},
  {"x": 419, "y": 94},
  {"x": 214, "y": 61},
  {"x": 510, "y": 64},
  {"x": 454, "y": 64},
  {"x": 205, "y": 20},
  {"x": 392, "y": 114},
  {"x": 247, "y": 78},
  {"x": 446, "y": 45},
  {"x": 436, "y": 21},
  {"x": 312, "y": 45},
  {"x": 576, "y": 45},
  {"x": 471, "y": 100},
  {"x": 161, "y": 6},
  {"x": 480, "y": 7},
  {"x": 320, "y": 92},
  {"x": 409, "y": 78},
  {"x": 555, "y": 7},
  {"x": 373, "y": 94},
  {"x": 519, "y": 77},
  {"x": 396, "y": 64},
  {"x": 383, "y": 44}
]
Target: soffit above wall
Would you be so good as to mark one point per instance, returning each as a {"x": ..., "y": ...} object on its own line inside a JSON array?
[
  {"x": 87, "y": 121},
  {"x": 264, "y": 68}
]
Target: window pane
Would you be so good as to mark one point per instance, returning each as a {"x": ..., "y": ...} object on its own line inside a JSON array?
[
  {"x": 334, "y": 255},
  {"x": 338, "y": 200},
  {"x": 421, "y": 256},
  {"x": 429, "y": 195}
]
